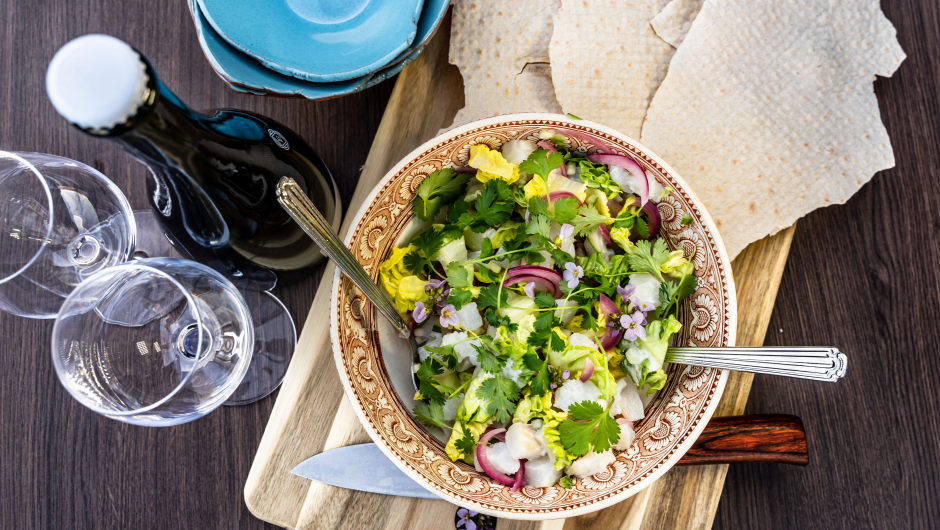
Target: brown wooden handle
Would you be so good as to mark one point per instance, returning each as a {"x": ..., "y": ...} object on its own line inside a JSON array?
[{"x": 757, "y": 438}]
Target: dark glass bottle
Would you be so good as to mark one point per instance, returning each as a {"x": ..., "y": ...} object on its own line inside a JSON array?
[{"x": 214, "y": 180}]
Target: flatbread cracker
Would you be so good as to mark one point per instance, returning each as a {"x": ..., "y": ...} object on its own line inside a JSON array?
[
  {"x": 769, "y": 112},
  {"x": 501, "y": 49},
  {"x": 606, "y": 60},
  {"x": 674, "y": 21}
]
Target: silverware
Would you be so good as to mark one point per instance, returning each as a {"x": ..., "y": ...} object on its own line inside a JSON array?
[{"x": 820, "y": 363}]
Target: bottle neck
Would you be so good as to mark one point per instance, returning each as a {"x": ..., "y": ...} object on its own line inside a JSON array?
[{"x": 162, "y": 127}]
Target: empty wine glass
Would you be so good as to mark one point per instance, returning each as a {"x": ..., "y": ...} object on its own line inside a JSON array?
[
  {"x": 153, "y": 342},
  {"x": 60, "y": 222}
]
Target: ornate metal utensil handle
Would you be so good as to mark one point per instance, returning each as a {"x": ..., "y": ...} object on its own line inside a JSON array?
[
  {"x": 817, "y": 363},
  {"x": 298, "y": 205}
]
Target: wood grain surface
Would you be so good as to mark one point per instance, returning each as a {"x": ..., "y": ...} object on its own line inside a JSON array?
[{"x": 862, "y": 276}]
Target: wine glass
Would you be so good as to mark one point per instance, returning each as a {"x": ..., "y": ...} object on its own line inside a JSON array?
[
  {"x": 60, "y": 222},
  {"x": 153, "y": 342}
]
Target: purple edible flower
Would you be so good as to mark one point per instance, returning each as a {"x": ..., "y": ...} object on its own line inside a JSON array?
[
  {"x": 464, "y": 521},
  {"x": 565, "y": 231},
  {"x": 434, "y": 284},
  {"x": 449, "y": 318},
  {"x": 529, "y": 289},
  {"x": 573, "y": 274},
  {"x": 566, "y": 374},
  {"x": 641, "y": 306},
  {"x": 633, "y": 326},
  {"x": 625, "y": 292},
  {"x": 420, "y": 313}
]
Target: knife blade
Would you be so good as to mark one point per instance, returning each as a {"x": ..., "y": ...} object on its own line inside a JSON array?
[{"x": 755, "y": 438}]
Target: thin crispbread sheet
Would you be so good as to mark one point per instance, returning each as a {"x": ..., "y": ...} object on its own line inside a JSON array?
[
  {"x": 768, "y": 110},
  {"x": 606, "y": 60},
  {"x": 501, "y": 49},
  {"x": 672, "y": 24}
]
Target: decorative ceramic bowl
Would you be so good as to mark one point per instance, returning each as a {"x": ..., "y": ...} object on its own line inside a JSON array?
[
  {"x": 317, "y": 41},
  {"x": 375, "y": 366}
]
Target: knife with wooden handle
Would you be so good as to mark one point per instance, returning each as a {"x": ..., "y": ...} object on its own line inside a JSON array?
[{"x": 758, "y": 438}]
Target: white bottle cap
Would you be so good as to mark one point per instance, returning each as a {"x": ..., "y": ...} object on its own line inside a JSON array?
[{"x": 96, "y": 81}]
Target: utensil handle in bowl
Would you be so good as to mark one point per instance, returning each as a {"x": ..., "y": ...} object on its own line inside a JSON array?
[
  {"x": 767, "y": 438},
  {"x": 298, "y": 206},
  {"x": 817, "y": 363}
]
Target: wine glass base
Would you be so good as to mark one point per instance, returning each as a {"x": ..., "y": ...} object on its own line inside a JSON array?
[
  {"x": 275, "y": 334},
  {"x": 275, "y": 341}
]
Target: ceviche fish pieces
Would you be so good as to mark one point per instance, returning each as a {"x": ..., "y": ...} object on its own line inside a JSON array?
[{"x": 545, "y": 303}]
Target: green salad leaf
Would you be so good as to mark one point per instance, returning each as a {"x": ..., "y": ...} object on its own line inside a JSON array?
[{"x": 438, "y": 189}]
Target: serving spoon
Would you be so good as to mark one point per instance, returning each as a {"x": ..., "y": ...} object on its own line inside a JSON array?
[{"x": 816, "y": 363}]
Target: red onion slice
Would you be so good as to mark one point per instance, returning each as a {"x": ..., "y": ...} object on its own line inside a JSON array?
[
  {"x": 535, "y": 270},
  {"x": 630, "y": 165},
  {"x": 608, "y": 306},
  {"x": 584, "y": 137},
  {"x": 465, "y": 169},
  {"x": 605, "y": 233},
  {"x": 588, "y": 370},
  {"x": 485, "y": 462},
  {"x": 547, "y": 285},
  {"x": 655, "y": 218},
  {"x": 520, "y": 477},
  {"x": 610, "y": 338},
  {"x": 555, "y": 195}
]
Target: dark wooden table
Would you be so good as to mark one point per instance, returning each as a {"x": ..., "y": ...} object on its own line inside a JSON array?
[{"x": 862, "y": 276}]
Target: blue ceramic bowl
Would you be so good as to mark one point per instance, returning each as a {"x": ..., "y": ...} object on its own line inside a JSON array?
[
  {"x": 246, "y": 75},
  {"x": 321, "y": 41}
]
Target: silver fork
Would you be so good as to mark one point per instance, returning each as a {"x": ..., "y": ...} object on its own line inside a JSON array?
[{"x": 816, "y": 363}]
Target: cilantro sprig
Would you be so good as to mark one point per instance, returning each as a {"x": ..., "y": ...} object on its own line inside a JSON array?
[
  {"x": 438, "y": 189},
  {"x": 588, "y": 427}
]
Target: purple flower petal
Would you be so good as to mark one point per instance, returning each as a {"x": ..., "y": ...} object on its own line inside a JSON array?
[
  {"x": 529, "y": 289},
  {"x": 473, "y": 513},
  {"x": 641, "y": 333},
  {"x": 449, "y": 316},
  {"x": 420, "y": 314},
  {"x": 565, "y": 231},
  {"x": 461, "y": 522},
  {"x": 566, "y": 374},
  {"x": 462, "y": 512},
  {"x": 471, "y": 525}
]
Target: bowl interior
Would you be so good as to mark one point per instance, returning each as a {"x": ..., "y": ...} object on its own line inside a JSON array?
[{"x": 375, "y": 365}]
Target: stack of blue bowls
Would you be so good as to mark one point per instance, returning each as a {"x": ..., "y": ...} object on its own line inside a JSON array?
[{"x": 315, "y": 49}]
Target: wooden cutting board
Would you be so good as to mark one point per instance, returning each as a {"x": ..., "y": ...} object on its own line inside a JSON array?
[{"x": 312, "y": 415}]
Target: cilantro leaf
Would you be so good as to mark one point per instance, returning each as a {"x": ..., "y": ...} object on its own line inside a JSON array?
[
  {"x": 499, "y": 395},
  {"x": 561, "y": 257},
  {"x": 445, "y": 354},
  {"x": 457, "y": 275},
  {"x": 588, "y": 220},
  {"x": 490, "y": 210},
  {"x": 642, "y": 228},
  {"x": 539, "y": 224},
  {"x": 545, "y": 320},
  {"x": 486, "y": 248},
  {"x": 542, "y": 163},
  {"x": 466, "y": 443},
  {"x": 589, "y": 426},
  {"x": 439, "y": 188},
  {"x": 649, "y": 257},
  {"x": 489, "y": 361},
  {"x": 539, "y": 385},
  {"x": 492, "y": 296},
  {"x": 544, "y": 300},
  {"x": 686, "y": 220},
  {"x": 538, "y": 206},
  {"x": 429, "y": 242},
  {"x": 687, "y": 286},
  {"x": 566, "y": 208},
  {"x": 456, "y": 210},
  {"x": 427, "y": 386},
  {"x": 431, "y": 414},
  {"x": 566, "y": 482},
  {"x": 459, "y": 297},
  {"x": 558, "y": 343},
  {"x": 414, "y": 263},
  {"x": 534, "y": 258}
]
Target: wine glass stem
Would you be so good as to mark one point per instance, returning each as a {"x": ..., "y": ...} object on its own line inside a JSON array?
[{"x": 84, "y": 250}]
